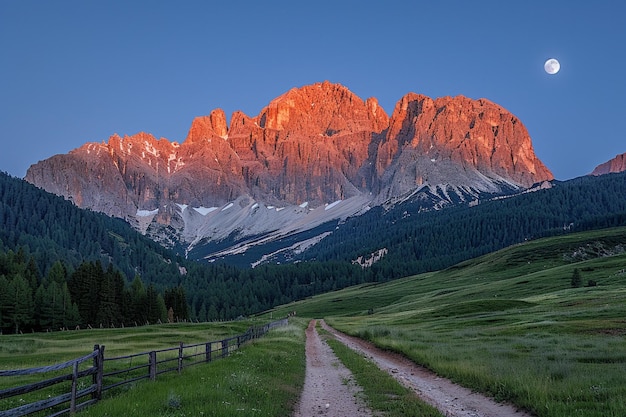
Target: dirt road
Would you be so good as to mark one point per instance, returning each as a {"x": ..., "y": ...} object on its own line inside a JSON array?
[
  {"x": 329, "y": 389},
  {"x": 451, "y": 399}
]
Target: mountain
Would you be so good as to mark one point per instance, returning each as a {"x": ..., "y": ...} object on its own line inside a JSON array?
[
  {"x": 617, "y": 164},
  {"x": 44, "y": 237},
  {"x": 310, "y": 159},
  {"x": 414, "y": 241},
  {"x": 382, "y": 244},
  {"x": 52, "y": 229}
]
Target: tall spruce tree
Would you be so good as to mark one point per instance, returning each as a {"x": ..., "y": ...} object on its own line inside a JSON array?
[{"x": 20, "y": 311}]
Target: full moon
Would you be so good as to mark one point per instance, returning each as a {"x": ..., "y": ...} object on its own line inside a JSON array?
[{"x": 552, "y": 66}]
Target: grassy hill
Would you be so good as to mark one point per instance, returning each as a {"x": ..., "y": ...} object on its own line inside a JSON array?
[{"x": 508, "y": 323}]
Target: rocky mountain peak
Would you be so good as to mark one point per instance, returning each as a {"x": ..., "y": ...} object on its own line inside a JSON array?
[
  {"x": 313, "y": 146},
  {"x": 477, "y": 135},
  {"x": 323, "y": 109},
  {"x": 617, "y": 164},
  {"x": 207, "y": 127}
]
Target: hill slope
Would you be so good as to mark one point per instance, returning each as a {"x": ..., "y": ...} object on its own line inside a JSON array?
[
  {"x": 416, "y": 241},
  {"x": 509, "y": 324},
  {"x": 50, "y": 229}
]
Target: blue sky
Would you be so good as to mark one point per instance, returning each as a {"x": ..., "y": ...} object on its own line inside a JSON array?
[{"x": 79, "y": 71}]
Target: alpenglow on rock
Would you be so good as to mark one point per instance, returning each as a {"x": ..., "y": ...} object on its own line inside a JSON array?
[
  {"x": 312, "y": 148},
  {"x": 617, "y": 164}
]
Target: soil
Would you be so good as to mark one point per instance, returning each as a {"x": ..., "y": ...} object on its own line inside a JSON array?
[{"x": 330, "y": 390}]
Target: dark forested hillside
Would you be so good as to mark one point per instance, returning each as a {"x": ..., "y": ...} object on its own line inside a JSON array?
[
  {"x": 52, "y": 229},
  {"x": 420, "y": 241},
  {"x": 61, "y": 266}
]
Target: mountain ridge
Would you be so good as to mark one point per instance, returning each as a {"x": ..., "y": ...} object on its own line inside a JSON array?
[
  {"x": 614, "y": 165},
  {"x": 312, "y": 147}
]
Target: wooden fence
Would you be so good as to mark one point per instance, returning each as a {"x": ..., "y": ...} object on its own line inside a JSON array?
[{"x": 108, "y": 373}]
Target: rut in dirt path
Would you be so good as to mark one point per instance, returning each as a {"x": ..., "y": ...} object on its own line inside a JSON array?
[
  {"x": 452, "y": 400},
  {"x": 329, "y": 389}
]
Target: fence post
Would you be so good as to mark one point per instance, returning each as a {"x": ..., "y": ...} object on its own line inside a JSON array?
[
  {"x": 98, "y": 363},
  {"x": 207, "y": 352},
  {"x": 74, "y": 383},
  {"x": 180, "y": 357},
  {"x": 224, "y": 348},
  {"x": 152, "y": 365}
]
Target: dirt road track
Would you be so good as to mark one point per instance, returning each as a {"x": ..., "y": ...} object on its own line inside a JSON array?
[
  {"x": 451, "y": 399},
  {"x": 329, "y": 389}
]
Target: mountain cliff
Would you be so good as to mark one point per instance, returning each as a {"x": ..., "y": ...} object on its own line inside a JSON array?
[
  {"x": 315, "y": 154},
  {"x": 617, "y": 164}
]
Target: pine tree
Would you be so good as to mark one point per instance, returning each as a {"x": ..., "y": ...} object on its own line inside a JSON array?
[
  {"x": 84, "y": 285},
  {"x": 70, "y": 316},
  {"x": 175, "y": 299},
  {"x": 4, "y": 303},
  {"x": 57, "y": 273},
  {"x": 21, "y": 306},
  {"x": 138, "y": 301},
  {"x": 108, "y": 313},
  {"x": 43, "y": 309},
  {"x": 156, "y": 309}
]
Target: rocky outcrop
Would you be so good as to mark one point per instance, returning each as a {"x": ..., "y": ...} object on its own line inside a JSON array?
[
  {"x": 312, "y": 146},
  {"x": 617, "y": 164},
  {"x": 455, "y": 140}
]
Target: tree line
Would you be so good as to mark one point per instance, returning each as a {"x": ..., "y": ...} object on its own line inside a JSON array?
[
  {"x": 420, "y": 241},
  {"x": 90, "y": 296},
  {"x": 61, "y": 266}
]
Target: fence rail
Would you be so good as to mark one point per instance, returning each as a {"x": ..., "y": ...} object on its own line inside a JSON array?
[{"x": 109, "y": 373}]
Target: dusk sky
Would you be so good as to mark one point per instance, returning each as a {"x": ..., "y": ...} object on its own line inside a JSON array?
[{"x": 73, "y": 72}]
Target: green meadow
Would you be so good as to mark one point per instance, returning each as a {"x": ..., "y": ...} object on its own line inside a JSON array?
[
  {"x": 41, "y": 349},
  {"x": 508, "y": 324},
  {"x": 264, "y": 374}
]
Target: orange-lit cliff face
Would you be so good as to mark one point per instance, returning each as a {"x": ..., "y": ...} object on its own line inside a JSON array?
[
  {"x": 617, "y": 164},
  {"x": 317, "y": 144}
]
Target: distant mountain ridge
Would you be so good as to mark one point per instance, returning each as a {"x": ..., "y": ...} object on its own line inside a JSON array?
[
  {"x": 314, "y": 155},
  {"x": 617, "y": 164}
]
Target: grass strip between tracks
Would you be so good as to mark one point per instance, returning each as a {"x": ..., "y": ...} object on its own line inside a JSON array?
[{"x": 382, "y": 392}]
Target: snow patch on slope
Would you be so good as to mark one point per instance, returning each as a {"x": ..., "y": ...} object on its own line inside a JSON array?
[
  {"x": 205, "y": 210},
  {"x": 253, "y": 223},
  {"x": 331, "y": 205},
  {"x": 146, "y": 213}
]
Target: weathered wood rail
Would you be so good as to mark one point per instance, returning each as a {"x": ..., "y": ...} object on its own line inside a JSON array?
[{"x": 108, "y": 373}]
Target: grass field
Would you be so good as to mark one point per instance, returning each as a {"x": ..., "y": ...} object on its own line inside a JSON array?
[
  {"x": 265, "y": 373},
  {"x": 508, "y": 324},
  {"x": 264, "y": 378},
  {"x": 41, "y": 349}
]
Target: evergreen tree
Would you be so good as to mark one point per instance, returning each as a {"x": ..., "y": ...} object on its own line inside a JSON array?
[
  {"x": 31, "y": 273},
  {"x": 4, "y": 303},
  {"x": 84, "y": 285},
  {"x": 156, "y": 310},
  {"x": 57, "y": 273},
  {"x": 176, "y": 299},
  {"x": 71, "y": 316},
  {"x": 108, "y": 313},
  {"x": 20, "y": 307},
  {"x": 43, "y": 309},
  {"x": 138, "y": 301}
]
